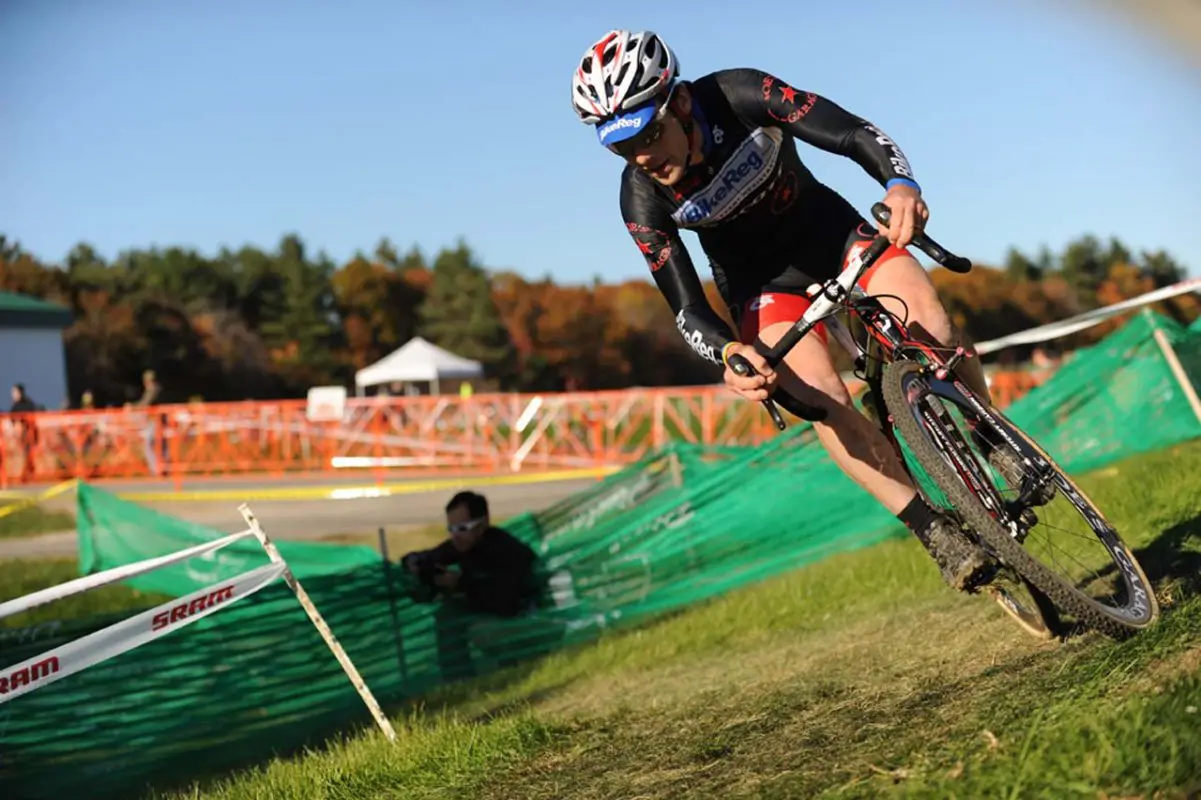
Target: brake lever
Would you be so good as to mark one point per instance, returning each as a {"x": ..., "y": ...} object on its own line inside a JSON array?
[
  {"x": 923, "y": 242},
  {"x": 797, "y": 408},
  {"x": 743, "y": 368}
]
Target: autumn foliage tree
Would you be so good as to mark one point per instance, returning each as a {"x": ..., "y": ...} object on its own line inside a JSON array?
[{"x": 254, "y": 323}]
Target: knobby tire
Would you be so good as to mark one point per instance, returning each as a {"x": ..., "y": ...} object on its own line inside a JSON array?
[{"x": 1116, "y": 623}]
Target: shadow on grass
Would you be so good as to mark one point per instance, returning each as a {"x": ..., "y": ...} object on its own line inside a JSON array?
[
  {"x": 1173, "y": 569},
  {"x": 1170, "y": 564},
  {"x": 467, "y": 694}
]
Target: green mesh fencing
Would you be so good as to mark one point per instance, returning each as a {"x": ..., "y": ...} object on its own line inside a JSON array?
[
  {"x": 681, "y": 526},
  {"x": 1117, "y": 398},
  {"x": 114, "y": 532},
  {"x": 671, "y": 530}
]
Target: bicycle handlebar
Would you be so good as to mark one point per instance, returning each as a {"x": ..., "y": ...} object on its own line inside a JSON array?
[
  {"x": 775, "y": 354},
  {"x": 797, "y": 408},
  {"x": 927, "y": 245}
]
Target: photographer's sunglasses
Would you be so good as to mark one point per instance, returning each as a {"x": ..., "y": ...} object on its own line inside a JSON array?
[{"x": 464, "y": 527}]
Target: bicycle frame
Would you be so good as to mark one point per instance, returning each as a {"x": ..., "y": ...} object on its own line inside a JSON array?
[
  {"x": 843, "y": 292},
  {"x": 888, "y": 341}
]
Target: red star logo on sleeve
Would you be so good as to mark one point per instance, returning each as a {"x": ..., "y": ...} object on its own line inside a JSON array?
[{"x": 789, "y": 94}]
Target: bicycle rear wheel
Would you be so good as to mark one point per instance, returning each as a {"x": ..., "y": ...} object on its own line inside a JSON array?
[{"x": 944, "y": 428}]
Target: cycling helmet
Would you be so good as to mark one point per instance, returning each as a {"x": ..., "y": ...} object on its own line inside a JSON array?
[{"x": 615, "y": 85}]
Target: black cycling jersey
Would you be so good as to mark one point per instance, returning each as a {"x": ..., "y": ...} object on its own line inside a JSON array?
[{"x": 757, "y": 209}]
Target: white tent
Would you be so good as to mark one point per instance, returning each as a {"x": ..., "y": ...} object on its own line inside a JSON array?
[{"x": 418, "y": 360}]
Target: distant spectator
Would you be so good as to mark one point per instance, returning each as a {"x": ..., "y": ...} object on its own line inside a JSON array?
[
  {"x": 27, "y": 430},
  {"x": 150, "y": 395},
  {"x": 151, "y": 389},
  {"x": 91, "y": 435},
  {"x": 1043, "y": 363},
  {"x": 495, "y": 569},
  {"x": 21, "y": 402}
]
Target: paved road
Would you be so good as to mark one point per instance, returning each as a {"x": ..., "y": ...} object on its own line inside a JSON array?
[
  {"x": 313, "y": 519},
  {"x": 250, "y": 483}
]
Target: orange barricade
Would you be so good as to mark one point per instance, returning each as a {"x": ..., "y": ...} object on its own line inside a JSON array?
[
  {"x": 1006, "y": 387},
  {"x": 441, "y": 433}
]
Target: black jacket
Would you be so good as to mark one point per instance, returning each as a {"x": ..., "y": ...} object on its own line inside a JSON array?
[{"x": 497, "y": 574}]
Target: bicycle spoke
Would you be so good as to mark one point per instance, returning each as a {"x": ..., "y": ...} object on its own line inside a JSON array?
[{"x": 1016, "y": 499}]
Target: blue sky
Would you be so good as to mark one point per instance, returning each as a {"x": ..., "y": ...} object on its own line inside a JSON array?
[{"x": 130, "y": 124}]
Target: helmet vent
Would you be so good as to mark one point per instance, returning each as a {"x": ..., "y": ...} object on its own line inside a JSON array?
[{"x": 621, "y": 73}]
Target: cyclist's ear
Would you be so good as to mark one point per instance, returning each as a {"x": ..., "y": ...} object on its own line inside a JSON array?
[{"x": 681, "y": 101}]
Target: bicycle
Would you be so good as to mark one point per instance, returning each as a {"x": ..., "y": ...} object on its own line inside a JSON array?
[{"x": 912, "y": 390}]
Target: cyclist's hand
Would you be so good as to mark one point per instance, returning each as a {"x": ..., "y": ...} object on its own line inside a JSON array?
[
  {"x": 909, "y": 214},
  {"x": 752, "y": 387}
]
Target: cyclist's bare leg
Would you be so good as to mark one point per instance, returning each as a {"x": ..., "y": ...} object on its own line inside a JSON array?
[
  {"x": 855, "y": 444},
  {"x": 928, "y": 320},
  {"x": 904, "y": 277},
  {"x": 865, "y": 455}
]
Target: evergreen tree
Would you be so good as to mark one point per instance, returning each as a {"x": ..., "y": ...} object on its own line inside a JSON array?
[{"x": 459, "y": 314}]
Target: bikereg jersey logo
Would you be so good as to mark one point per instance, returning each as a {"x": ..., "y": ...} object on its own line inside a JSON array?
[
  {"x": 696, "y": 339},
  {"x": 895, "y": 157},
  {"x": 617, "y": 124},
  {"x": 746, "y": 171}
]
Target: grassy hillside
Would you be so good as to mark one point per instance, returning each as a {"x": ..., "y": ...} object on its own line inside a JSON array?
[
  {"x": 858, "y": 677},
  {"x": 19, "y": 577},
  {"x": 861, "y": 676},
  {"x": 31, "y": 520}
]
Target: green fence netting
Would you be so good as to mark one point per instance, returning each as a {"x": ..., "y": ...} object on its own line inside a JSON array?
[
  {"x": 682, "y": 525},
  {"x": 1117, "y": 398},
  {"x": 113, "y": 532}
]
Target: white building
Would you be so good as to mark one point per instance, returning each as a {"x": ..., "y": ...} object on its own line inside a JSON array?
[{"x": 31, "y": 349}]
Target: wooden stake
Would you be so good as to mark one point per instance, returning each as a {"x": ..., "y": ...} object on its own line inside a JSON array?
[
  {"x": 1169, "y": 353},
  {"x": 318, "y": 621}
]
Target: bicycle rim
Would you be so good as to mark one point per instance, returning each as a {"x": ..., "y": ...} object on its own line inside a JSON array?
[{"x": 923, "y": 411}]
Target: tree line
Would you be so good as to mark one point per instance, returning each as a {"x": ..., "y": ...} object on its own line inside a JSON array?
[{"x": 259, "y": 324}]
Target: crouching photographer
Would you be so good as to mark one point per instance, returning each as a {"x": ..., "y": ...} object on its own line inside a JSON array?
[
  {"x": 484, "y": 569},
  {"x": 479, "y": 570}
]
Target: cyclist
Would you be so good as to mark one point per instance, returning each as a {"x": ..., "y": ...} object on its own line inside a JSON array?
[{"x": 716, "y": 155}]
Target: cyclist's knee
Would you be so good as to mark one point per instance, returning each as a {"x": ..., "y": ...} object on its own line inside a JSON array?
[
  {"x": 922, "y": 308},
  {"x": 807, "y": 371}
]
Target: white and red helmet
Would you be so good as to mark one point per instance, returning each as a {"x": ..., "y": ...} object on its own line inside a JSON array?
[{"x": 617, "y": 79}]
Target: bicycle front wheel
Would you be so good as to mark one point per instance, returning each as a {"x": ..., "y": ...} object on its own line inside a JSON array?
[{"x": 1022, "y": 506}]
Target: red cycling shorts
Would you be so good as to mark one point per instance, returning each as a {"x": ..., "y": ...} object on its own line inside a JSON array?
[{"x": 785, "y": 304}]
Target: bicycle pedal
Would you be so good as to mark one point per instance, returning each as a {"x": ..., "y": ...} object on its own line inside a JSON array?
[
  {"x": 1028, "y": 519},
  {"x": 1020, "y": 528},
  {"x": 983, "y": 577}
]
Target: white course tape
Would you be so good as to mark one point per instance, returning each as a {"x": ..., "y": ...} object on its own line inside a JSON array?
[
  {"x": 129, "y": 633},
  {"x": 49, "y": 595},
  {"x": 1055, "y": 330}
]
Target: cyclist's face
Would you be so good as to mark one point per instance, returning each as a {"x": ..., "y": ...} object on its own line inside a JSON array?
[
  {"x": 664, "y": 159},
  {"x": 660, "y": 150}
]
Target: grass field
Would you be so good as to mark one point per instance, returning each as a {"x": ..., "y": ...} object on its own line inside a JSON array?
[
  {"x": 32, "y": 520},
  {"x": 400, "y": 540},
  {"x": 861, "y": 676},
  {"x": 20, "y": 577}
]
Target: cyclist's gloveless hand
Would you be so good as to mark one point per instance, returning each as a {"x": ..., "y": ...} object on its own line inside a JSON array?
[
  {"x": 752, "y": 387},
  {"x": 909, "y": 214}
]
